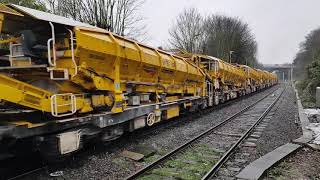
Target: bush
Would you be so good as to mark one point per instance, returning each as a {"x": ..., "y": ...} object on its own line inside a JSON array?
[{"x": 306, "y": 90}]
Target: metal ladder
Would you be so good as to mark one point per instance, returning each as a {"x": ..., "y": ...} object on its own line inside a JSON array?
[
  {"x": 66, "y": 102},
  {"x": 52, "y": 60}
]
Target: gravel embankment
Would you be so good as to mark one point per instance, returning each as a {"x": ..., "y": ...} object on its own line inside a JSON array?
[
  {"x": 304, "y": 164},
  {"x": 107, "y": 163},
  {"x": 284, "y": 125},
  {"x": 280, "y": 126},
  {"x": 247, "y": 151}
]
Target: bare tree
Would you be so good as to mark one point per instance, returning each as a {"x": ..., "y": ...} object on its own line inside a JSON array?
[
  {"x": 35, "y": 4},
  {"x": 214, "y": 35},
  {"x": 227, "y": 34},
  {"x": 187, "y": 31},
  {"x": 118, "y": 16}
]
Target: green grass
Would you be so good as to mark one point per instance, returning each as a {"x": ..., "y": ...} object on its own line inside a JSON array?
[
  {"x": 155, "y": 156},
  {"x": 121, "y": 162},
  {"x": 192, "y": 164}
]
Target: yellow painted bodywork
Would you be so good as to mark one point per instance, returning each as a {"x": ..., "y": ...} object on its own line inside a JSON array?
[
  {"x": 30, "y": 96},
  {"x": 172, "y": 112},
  {"x": 6, "y": 10},
  {"x": 263, "y": 76},
  {"x": 27, "y": 124},
  {"x": 219, "y": 69},
  {"x": 253, "y": 75},
  {"x": 148, "y": 68},
  {"x": 231, "y": 74},
  {"x": 113, "y": 62},
  {"x": 100, "y": 62},
  {"x": 102, "y": 68}
]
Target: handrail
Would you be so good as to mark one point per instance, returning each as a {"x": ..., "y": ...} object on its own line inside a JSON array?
[
  {"x": 55, "y": 105},
  {"x": 72, "y": 54},
  {"x": 49, "y": 52},
  {"x": 53, "y": 39}
]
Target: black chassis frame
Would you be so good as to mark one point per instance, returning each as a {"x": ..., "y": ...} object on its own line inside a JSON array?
[{"x": 101, "y": 120}]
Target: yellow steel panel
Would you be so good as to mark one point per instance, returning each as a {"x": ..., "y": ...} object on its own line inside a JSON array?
[
  {"x": 96, "y": 42},
  {"x": 28, "y": 124},
  {"x": 172, "y": 98},
  {"x": 231, "y": 73},
  {"x": 192, "y": 70},
  {"x": 128, "y": 50},
  {"x": 181, "y": 65},
  {"x": 6, "y": 10},
  {"x": 172, "y": 112},
  {"x": 151, "y": 56},
  {"x": 30, "y": 96},
  {"x": 167, "y": 62}
]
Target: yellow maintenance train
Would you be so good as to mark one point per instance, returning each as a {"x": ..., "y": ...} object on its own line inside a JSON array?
[{"x": 63, "y": 82}]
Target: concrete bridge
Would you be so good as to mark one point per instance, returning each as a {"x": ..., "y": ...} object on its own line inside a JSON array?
[{"x": 283, "y": 71}]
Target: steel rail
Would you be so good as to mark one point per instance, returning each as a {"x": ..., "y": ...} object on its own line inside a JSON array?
[
  {"x": 227, "y": 155},
  {"x": 165, "y": 124},
  {"x": 28, "y": 173},
  {"x": 185, "y": 145}
]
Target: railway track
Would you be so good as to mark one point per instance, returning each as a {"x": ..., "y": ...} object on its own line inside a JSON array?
[
  {"x": 28, "y": 173},
  {"x": 202, "y": 156},
  {"x": 181, "y": 120},
  {"x": 142, "y": 132}
]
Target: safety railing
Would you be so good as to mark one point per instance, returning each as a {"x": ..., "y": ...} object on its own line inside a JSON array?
[
  {"x": 63, "y": 104},
  {"x": 52, "y": 57},
  {"x": 52, "y": 40},
  {"x": 72, "y": 53}
]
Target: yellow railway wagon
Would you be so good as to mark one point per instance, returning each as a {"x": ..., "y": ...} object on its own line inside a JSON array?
[
  {"x": 84, "y": 67},
  {"x": 150, "y": 69},
  {"x": 253, "y": 77},
  {"x": 251, "y": 73},
  {"x": 266, "y": 77},
  {"x": 227, "y": 73},
  {"x": 95, "y": 84},
  {"x": 226, "y": 81},
  {"x": 261, "y": 77},
  {"x": 230, "y": 74},
  {"x": 274, "y": 78}
]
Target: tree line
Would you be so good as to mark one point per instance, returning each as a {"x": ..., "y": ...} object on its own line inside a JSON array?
[
  {"x": 307, "y": 67},
  {"x": 216, "y": 35}
]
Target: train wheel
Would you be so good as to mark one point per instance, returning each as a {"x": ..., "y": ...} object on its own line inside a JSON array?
[{"x": 151, "y": 118}]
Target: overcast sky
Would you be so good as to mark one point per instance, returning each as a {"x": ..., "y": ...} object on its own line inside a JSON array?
[{"x": 278, "y": 25}]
